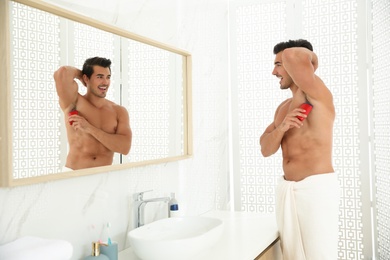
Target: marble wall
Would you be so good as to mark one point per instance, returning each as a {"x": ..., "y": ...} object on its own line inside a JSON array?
[{"x": 77, "y": 209}]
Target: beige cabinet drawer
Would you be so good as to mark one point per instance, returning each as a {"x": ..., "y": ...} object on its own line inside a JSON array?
[{"x": 272, "y": 252}]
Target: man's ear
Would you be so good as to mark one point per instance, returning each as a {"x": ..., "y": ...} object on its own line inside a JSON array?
[{"x": 85, "y": 80}]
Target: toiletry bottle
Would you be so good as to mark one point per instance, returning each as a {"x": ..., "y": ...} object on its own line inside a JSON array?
[
  {"x": 173, "y": 207},
  {"x": 96, "y": 253},
  {"x": 308, "y": 107},
  {"x": 71, "y": 113}
]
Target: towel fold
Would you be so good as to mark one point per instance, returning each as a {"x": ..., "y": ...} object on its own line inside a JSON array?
[
  {"x": 28, "y": 247},
  {"x": 307, "y": 215},
  {"x": 66, "y": 169}
]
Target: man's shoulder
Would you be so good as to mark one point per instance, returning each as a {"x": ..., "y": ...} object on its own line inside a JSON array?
[
  {"x": 114, "y": 105},
  {"x": 284, "y": 103},
  {"x": 119, "y": 109}
]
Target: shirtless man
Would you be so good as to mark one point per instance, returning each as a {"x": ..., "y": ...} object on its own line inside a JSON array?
[
  {"x": 309, "y": 180},
  {"x": 101, "y": 127}
]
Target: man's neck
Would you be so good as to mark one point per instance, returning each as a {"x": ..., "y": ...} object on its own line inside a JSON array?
[
  {"x": 294, "y": 89},
  {"x": 95, "y": 101}
]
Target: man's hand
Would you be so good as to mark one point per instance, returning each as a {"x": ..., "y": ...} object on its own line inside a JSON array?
[
  {"x": 291, "y": 120},
  {"x": 314, "y": 60},
  {"x": 79, "y": 75},
  {"x": 79, "y": 123}
]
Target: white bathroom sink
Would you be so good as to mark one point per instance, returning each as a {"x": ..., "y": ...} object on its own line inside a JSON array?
[{"x": 175, "y": 238}]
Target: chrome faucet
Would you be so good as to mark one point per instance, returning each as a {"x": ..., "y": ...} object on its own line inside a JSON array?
[{"x": 139, "y": 206}]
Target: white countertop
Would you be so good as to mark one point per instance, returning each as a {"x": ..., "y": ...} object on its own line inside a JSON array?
[{"x": 245, "y": 236}]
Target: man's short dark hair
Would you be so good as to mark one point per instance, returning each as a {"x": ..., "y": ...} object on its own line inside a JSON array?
[
  {"x": 292, "y": 43},
  {"x": 99, "y": 61}
]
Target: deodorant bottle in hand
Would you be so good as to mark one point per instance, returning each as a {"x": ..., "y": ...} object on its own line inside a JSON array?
[{"x": 308, "y": 107}]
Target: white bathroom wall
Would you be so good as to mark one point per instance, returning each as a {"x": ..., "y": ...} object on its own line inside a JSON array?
[
  {"x": 380, "y": 125},
  {"x": 77, "y": 209}
]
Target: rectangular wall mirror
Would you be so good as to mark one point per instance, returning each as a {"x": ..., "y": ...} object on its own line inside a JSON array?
[{"x": 151, "y": 79}]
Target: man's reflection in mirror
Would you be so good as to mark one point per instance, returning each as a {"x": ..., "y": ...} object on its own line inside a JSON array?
[{"x": 96, "y": 127}]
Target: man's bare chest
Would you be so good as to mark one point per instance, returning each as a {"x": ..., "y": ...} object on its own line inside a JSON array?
[{"x": 104, "y": 120}]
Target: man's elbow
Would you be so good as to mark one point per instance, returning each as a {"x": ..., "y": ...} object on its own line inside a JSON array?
[
  {"x": 59, "y": 72},
  {"x": 262, "y": 147},
  {"x": 127, "y": 147},
  {"x": 265, "y": 153},
  {"x": 126, "y": 151}
]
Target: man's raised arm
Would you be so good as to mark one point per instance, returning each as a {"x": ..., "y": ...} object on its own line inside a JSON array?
[{"x": 67, "y": 88}]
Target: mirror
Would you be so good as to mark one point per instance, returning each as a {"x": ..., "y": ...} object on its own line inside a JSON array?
[{"x": 152, "y": 80}]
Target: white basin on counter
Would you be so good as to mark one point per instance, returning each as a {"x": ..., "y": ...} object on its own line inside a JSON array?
[
  {"x": 31, "y": 247},
  {"x": 175, "y": 238}
]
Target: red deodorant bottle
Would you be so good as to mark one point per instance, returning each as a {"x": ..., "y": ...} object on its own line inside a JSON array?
[
  {"x": 307, "y": 107},
  {"x": 73, "y": 112}
]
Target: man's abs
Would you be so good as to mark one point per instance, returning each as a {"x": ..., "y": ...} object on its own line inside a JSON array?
[
  {"x": 305, "y": 154},
  {"x": 87, "y": 153},
  {"x": 299, "y": 167}
]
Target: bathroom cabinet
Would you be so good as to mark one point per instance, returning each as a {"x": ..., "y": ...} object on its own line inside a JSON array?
[{"x": 273, "y": 252}]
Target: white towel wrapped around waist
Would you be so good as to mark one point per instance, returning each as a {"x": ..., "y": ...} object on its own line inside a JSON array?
[
  {"x": 28, "y": 247},
  {"x": 307, "y": 216},
  {"x": 66, "y": 169}
]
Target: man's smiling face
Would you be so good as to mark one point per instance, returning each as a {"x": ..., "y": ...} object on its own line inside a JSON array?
[
  {"x": 100, "y": 81},
  {"x": 279, "y": 71}
]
